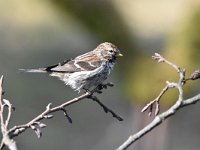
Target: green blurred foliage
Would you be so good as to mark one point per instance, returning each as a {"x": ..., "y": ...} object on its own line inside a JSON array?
[
  {"x": 183, "y": 48},
  {"x": 99, "y": 16},
  {"x": 184, "y": 45}
]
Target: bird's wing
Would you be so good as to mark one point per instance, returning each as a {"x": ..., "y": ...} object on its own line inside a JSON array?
[
  {"x": 67, "y": 66},
  {"x": 85, "y": 62}
]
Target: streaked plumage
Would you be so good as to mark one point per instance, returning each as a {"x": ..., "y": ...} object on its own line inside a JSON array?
[{"x": 84, "y": 71}]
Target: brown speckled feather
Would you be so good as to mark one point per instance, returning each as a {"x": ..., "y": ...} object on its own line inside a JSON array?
[{"x": 84, "y": 71}]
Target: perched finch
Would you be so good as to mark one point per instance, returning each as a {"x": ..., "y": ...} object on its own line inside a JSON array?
[{"x": 84, "y": 71}]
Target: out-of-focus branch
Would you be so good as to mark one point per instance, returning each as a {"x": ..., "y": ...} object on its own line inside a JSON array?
[
  {"x": 180, "y": 103},
  {"x": 6, "y": 140}
]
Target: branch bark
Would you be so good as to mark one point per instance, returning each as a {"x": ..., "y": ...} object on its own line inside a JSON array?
[
  {"x": 35, "y": 124},
  {"x": 6, "y": 140}
]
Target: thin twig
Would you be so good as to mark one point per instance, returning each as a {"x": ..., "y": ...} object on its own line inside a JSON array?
[
  {"x": 181, "y": 72},
  {"x": 105, "y": 108},
  {"x": 180, "y": 103},
  {"x": 1, "y": 103},
  {"x": 160, "y": 58},
  {"x": 9, "y": 105},
  {"x": 1, "y": 110}
]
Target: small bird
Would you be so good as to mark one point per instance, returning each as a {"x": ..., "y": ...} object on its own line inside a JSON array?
[{"x": 84, "y": 71}]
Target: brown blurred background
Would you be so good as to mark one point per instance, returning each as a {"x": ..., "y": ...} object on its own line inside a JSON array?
[{"x": 35, "y": 33}]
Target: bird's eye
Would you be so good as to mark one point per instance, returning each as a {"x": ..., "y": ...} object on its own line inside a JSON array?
[{"x": 111, "y": 51}]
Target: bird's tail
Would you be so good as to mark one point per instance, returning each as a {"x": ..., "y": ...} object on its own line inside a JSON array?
[{"x": 39, "y": 70}]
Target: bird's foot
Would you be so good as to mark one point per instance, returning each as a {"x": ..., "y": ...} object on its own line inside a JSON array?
[
  {"x": 105, "y": 85},
  {"x": 102, "y": 86}
]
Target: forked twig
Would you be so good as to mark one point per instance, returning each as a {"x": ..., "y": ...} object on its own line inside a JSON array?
[
  {"x": 180, "y": 103},
  {"x": 169, "y": 85},
  {"x": 156, "y": 101}
]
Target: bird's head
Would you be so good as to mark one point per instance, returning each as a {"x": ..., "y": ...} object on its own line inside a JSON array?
[{"x": 108, "y": 51}]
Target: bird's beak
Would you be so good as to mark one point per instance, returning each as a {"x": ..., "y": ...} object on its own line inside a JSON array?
[{"x": 119, "y": 54}]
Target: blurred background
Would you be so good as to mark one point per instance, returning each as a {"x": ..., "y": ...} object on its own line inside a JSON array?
[{"x": 35, "y": 33}]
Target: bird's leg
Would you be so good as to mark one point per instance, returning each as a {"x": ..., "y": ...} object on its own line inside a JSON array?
[
  {"x": 98, "y": 89},
  {"x": 87, "y": 91}
]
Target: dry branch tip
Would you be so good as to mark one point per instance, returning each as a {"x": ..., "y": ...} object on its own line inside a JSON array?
[{"x": 195, "y": 75}]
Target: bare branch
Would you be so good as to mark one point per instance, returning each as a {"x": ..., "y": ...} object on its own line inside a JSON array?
[
  {"x": 34, "y": 124},
  {"x": 158, "y": 120},
  {"x": 180, "y": 103},
  {"x": 9, "y": 105},
  {"x": 1, "y": 103},
  {"x": 6, "y": 140}
]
